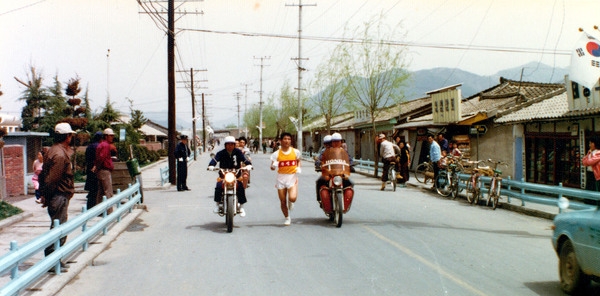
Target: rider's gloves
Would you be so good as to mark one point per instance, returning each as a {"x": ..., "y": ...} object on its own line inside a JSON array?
[
  {"x": 298, "y": 170},
  {"x": 249, "y": 167},
  {"x": 211, "y": 168}
]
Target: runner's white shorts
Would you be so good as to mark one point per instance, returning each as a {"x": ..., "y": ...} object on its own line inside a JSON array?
[{"x": 286, "y": 181}]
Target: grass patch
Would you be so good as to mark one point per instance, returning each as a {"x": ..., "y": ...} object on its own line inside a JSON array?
[{"x": 7, "y": 210}]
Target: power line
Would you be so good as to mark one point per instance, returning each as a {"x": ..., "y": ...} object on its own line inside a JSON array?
[{"x": 396, "y": 43}]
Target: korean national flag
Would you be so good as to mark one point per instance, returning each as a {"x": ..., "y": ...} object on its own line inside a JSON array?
[{"x": 585, "y": 61}]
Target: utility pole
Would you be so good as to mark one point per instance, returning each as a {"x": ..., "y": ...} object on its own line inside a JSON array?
[
  {"x": 260, "y": 102},
  {"x": 237, "y": 97},
  {"x": 246, "y": 107},
  {"x": 172, "y": 136},
  {"x": 190, "y": 85},
  {"x": 108, "y": 76},
  {"x": 151, "y": 8},
  {"x": 203, "y": 125},
  {"x": 300, "y": 69}
]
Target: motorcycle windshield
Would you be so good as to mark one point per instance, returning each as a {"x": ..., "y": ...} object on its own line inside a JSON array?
[{"x": 335, "y": 162}]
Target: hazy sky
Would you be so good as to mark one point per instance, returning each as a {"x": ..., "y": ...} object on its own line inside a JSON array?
[{"x": 71, "y": 38}]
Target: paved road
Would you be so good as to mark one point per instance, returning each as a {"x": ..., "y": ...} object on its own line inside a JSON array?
[{"x": 408, "y": 242}]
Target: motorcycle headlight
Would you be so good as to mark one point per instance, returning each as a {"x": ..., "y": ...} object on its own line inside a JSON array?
[
  {"x": 337, "y": 181},
  {"x": 229, "y": 177}
]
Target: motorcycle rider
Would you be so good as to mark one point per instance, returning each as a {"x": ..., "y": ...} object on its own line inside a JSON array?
[
  {"x": 326, "y": 144},
  {"x": 242, "y": 141},
  {"x": 322, "y": 182},
  {"x": 230, "y": 158}
]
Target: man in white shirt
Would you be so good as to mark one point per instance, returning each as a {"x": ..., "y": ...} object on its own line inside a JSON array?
[{"x": 386, "y": 151}]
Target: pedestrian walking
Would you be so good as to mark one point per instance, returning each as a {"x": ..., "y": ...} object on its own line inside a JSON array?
[
  {"x": 287, "y": 162},
  {"x": 103, "y": 166},
  {"x": 56, "y": 182},
  {"x": 38, "y": 164},
  {"x": 386, "y": 151},
  {"x": 592, "y": 159},
  {"x": 182, "y": 152},
  {"x": 91, "y": 179},
  {"x": 435, "y": 155},
  {"x": 404, "y": 162}
]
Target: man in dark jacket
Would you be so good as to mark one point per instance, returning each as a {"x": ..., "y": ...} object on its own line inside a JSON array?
[
  {"x": 91, "y": 180},
  {"x": 56, "y": 181},
  {"x": 230, "y": 158},
  {"x": 182, "y": 152}
]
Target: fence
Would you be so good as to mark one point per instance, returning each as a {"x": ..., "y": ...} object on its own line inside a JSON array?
[
  {"x": 538, "y": 193},
  {"x": 11, "y": 261}
]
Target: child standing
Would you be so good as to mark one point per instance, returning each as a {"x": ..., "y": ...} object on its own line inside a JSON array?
[{"x": 37, "y": 169}]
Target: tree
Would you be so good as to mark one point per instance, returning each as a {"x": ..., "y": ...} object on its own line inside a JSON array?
[
  {"x": 35, "y": 96},
  {"x": 375, "y": 70},
  {"x": 137, "y": 116},
  {"x": 75, "y": 112},
  {"x": 329, "y": 87},
  {"x": 108, "y": 115},
  {"x": 288, "y": 107}
]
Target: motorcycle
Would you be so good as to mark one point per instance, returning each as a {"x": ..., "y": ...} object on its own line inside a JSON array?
[
  {"x": 337, "y": 195},
  {"x": 230, "y": 206}
]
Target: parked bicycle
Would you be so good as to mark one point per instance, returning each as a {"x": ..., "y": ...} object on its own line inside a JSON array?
[
  {"x": 424, "y": 171},
  {"x": 473, "y": 186},
  {"x": 447, "y": 180},
  {"x": 495, "y": 183}
]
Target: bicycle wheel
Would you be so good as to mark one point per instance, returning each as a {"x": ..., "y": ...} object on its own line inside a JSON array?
[
  {"x": 497, "y": 193},
  {"x": 392, "y": 177},
  {"x": 420, "y": 172},
  {"x": 491, "y": 193}
]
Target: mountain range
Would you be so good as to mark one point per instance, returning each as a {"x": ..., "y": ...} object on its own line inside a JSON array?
[{"x": 423, "y": 81}]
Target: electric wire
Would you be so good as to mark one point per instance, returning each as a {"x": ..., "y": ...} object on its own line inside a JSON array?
[
  {"x": 545, "y": 38},
  {"x": 393, "y": 42},
  {"x": 462, "y": 56},
  {"x": 22, "y": 7}
]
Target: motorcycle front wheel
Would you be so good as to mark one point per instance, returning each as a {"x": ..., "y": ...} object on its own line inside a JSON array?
[
  {"x": 230, "y": 213},
  {"x": 455, "y": 185},
  {"x": 443, "y": 185},
  {"x": 338, "y": 208}
]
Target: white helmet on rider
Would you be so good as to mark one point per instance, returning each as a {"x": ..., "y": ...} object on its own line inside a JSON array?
[
  {"x": 229, "y": 139},
  {"x": 326, "y": 139},
  {"x": 336, "y": 137}
]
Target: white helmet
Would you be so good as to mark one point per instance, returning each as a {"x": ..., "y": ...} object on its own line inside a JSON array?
[
  {"x": 326, "y": 139},
  {"x": 336, "y": 137},
  {"x": 229, "y": 139}
]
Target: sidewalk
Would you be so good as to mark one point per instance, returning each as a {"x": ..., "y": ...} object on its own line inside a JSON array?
[{"x": 34, "y": 221}]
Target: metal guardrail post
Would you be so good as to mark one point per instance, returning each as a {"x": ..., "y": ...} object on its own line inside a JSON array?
[
  {"x": 57, "y": 268},
  {"x": 14, "y": 272},
  {"x": 560, "y": 195},
  {"x": 508, "y": 187},
  {"x": 119, "y": 205},
  {"x": 104, "y": 214},
  {"x": 84, "y": 228},
  {"x": 522, "y": 193}
]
